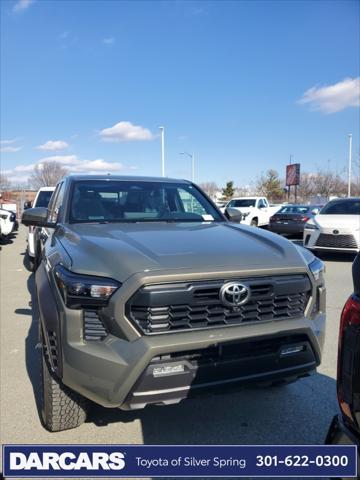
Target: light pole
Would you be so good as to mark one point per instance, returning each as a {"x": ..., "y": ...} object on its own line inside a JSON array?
[
  {"x": 350, "y": 155},
  {"x": 162, "y": 152},
  {"x": 192, "y": 156}
]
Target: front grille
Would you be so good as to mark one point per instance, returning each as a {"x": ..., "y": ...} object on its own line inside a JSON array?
[
  {"x": 177, "y": 307},
  {"x": 336, "y": 241},
  {"x": 94, "y": 329}
]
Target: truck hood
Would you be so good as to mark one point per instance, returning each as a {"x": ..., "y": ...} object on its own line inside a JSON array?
[{"x": 121, "y": 250}]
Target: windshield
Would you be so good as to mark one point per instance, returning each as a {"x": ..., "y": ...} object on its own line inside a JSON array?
[
  {"x": 245, "y": 202},
  {"x": 294, "y": 209},
  {"x": 139, "y": 201},
  {"x": 342, "y": 207},
  {"x": 43, "y": 198}
]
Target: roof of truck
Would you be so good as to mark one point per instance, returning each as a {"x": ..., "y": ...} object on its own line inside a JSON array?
[{"x": 128, "y": 178}]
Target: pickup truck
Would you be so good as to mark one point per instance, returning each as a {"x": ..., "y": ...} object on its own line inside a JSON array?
[
  {"x": 147, "y": 293},
  {"x": 256, "y": 211}
]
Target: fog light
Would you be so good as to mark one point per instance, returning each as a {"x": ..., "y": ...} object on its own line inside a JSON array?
[
  {"x": 291, "y": 350},
  {"x": 165, "y": 370}
]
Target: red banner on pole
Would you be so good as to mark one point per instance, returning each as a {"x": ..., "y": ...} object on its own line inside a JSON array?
[{"x": 293, "y": 174}]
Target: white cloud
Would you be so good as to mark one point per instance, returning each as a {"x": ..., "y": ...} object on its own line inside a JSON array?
[
  {"x": 71, "y": 162},
  {"x": 7, "y": 146},
  {"x": 109, "y": 41},
  {"x": 10, "y": 149},
  {"x": 333, "y": 98},
  {"x": 22, "y": 5},
  {"x": 125, "y": 132},
  {"x": 53, "y": 145}
]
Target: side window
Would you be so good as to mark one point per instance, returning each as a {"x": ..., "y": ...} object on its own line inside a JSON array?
[
  {"x": 56, "y": 202},
  {"x": 53, "y": 197},
  {"x": 190, "y": 203}
]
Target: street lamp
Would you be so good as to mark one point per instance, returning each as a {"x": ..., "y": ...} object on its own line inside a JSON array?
[
  {"x": 192, "y": 156},
  {"x": 350, "y": 155},
  {"x": 162, "y": 152}
]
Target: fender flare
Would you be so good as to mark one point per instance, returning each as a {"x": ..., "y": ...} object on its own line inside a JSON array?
[{"x": 49, "y": 318}]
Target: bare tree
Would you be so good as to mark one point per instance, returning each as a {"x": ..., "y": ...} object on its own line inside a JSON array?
[
  {"x": 47, "y": 174},
  {"x": 5, "y": 183},
  {"x": 328, "y": 183},
  {"x": 209, "y": 187},
  {"x": 306, "y": 189}
]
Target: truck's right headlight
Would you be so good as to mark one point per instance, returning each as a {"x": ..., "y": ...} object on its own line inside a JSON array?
[{"x": 84, "y": 290}]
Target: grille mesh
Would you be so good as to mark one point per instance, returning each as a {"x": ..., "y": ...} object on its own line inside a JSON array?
[
  {"x": 203, "y": 308},
  {"x": 336, "y": 241}
]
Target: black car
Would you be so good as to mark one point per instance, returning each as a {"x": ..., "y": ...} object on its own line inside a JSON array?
[
  {"x": 345, "y": 428},
  {"x": 291, "y": 219}
]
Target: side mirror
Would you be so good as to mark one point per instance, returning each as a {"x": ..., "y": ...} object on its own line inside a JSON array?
[
  {"x": 315, "y": 211},
  {"x": 233, "y": 215},
  {"x": 36, "y": 217}
]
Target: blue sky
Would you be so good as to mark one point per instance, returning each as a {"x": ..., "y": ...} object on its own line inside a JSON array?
[{"x": 223, "y": 77}]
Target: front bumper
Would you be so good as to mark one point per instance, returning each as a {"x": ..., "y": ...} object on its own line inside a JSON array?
[
  {"x": 116, "y": 372},
  {"x": 171, "y": 378},
  {"x": 311, "y": 240}
]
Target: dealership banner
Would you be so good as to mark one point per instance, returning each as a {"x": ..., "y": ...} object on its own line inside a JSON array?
[
  {"x": 178, "y": 461},
  {"x": 293, "y": 174}
]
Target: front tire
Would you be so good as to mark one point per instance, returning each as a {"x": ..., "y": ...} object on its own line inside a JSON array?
[
  {"x": 254, "y": 222},
  {"x": 61, "y": 407}
]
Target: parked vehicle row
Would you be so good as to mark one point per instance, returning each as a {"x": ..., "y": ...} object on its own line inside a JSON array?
[{"x": 147, "y": 293}]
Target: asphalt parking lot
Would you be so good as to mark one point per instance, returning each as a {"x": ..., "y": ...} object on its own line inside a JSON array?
[{"x": 296, "y": 414}]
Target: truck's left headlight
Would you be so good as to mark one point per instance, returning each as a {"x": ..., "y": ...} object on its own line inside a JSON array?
[
  {"x": 84, "y": 290},
  {"x": 317, "y": 268}
]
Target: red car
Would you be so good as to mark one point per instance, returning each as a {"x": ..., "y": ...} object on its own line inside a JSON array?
[{"x": 345, "y": 428}]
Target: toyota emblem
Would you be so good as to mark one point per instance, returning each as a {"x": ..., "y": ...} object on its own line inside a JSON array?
[
  {"x": 336, "y": 232},
  {"x": 234, "y": 294}
]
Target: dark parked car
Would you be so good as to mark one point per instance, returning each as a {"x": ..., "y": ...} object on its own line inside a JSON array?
[
  {"x": 147, "y": 292},
  {"x": 291, "y": 219},
  {"x": 345, "y": 428}
]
